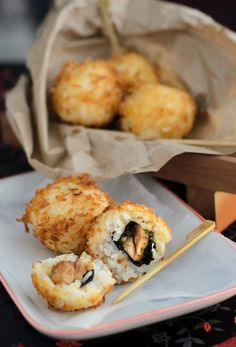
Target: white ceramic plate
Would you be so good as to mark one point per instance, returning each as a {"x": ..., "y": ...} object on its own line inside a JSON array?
[{"x": 203, "y": 276}]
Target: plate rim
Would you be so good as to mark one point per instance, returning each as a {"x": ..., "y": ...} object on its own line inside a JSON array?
[{"x": 85, "y": 333}]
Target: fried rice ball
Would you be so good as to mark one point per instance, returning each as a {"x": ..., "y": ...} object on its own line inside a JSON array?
[
  {"x": 62, "y": 211},
  {"x": 71, "y": 283},
  {"x": 134, "y": 70},
  {"x": 157, "y": 111},
  {"x": 87, "y": 94},
  {"x": 129, "y": 238}
]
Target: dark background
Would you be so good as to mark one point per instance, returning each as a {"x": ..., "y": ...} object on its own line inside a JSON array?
[{"x": 222, "y": 11}]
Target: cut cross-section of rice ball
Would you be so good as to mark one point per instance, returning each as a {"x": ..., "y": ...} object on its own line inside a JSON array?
[
  {"x": 157, "y": 111},
  {"x": 71, "y": 283},
  {"x": 62, "y": 211},
  {"x": 129, "y": 238}
]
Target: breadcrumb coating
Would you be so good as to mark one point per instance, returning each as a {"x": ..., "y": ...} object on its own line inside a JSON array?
[
  {"x": 134, "y": 70},
  {"x": 157, "y": 111},
  {"x": 107, "y": 230},
  {"x": 87, "y": 93},
  {"x": 62, "y": 211}
]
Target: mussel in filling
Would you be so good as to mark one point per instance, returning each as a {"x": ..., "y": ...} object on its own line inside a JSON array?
[
  {"x": 66, "y": 272},
  {"x": 137, "y": 243}
]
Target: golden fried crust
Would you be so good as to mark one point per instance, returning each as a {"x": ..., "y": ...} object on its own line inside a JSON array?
[
  {"x": 134, "y": 70},
  {"x": 61, "y": 212},
  {"x": 87, "y": 94},
  {"x": 70, "y": 297},
  {"x": 157, "y": 111}
]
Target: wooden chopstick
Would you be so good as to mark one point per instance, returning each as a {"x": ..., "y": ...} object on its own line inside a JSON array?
[
  {"x": 204, "y": 143},
  {"x": 193, "y": 237},
  {"x": 108, "y": 25}
]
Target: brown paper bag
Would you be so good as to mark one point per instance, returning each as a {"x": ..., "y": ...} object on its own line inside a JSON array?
[{"x": 201, "y": 51}]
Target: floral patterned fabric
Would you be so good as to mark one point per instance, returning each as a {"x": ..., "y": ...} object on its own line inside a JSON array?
[
  {"x": 212, "y": 326},
  {"x": 207, "y": 327}
]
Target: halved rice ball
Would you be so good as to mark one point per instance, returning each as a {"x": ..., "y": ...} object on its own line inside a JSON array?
[
  {"x": 71, "y": 283},
  {"x": 129, "y": 238},
  {"x": 62, "y": 211}
]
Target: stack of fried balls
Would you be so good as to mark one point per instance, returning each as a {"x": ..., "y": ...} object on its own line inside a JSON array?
[{"x": 94, "y": 92}]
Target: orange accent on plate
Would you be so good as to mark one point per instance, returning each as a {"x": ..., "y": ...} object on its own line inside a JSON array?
[{"x": 225, "y": 210}]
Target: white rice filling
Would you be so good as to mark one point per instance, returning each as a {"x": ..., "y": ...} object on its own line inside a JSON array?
[
  {"x": 102, "y": 276},
  {"x": 117, "y": 260}
]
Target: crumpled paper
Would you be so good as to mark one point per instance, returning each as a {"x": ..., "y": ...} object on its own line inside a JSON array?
[{"x": 197, "y": 48}]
